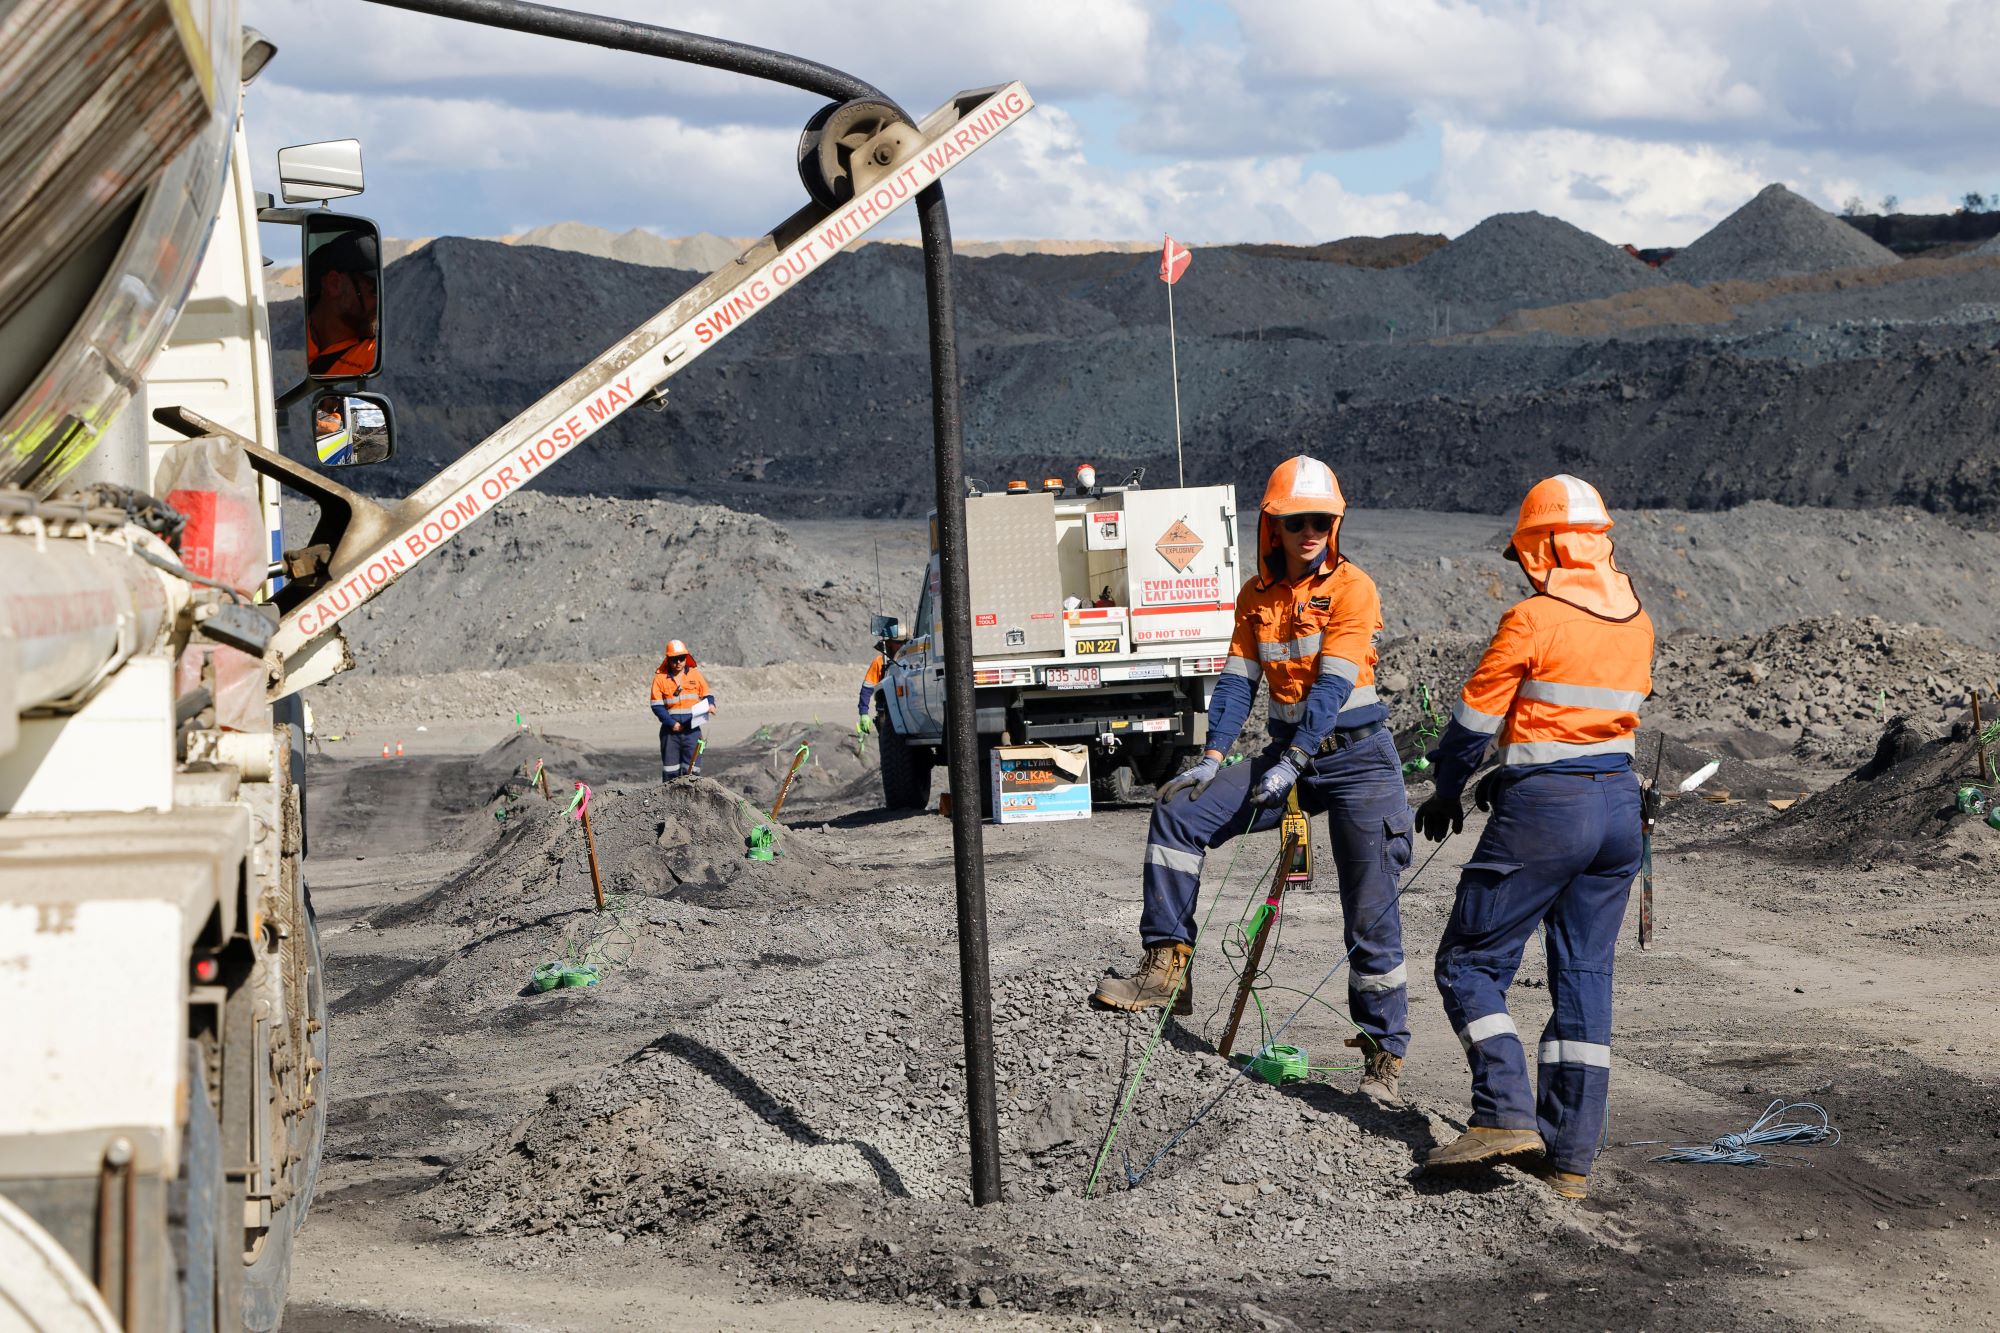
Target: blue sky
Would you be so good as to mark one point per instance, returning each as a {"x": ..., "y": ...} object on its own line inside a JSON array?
[{"x": 1218, "y": 120}]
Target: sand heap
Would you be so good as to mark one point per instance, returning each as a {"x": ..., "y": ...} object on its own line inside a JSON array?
[
  {"x": 1529, "y": 259},
  {"x": 840, "y": 771},
  {"x": 1775, "y": 234}
]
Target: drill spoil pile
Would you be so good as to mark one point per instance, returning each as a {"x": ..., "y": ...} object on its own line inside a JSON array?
[
  {"x": 840, "y": 773},
  {"x": 1528, "y": 259},
  {"x": 1901, "y": 804},
  {"x": 1774, "y": 235},
  {"x": 802, "y": 1113}
]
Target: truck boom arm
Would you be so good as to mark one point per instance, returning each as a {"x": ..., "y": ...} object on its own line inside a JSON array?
[{"x": 372, "y": 545}]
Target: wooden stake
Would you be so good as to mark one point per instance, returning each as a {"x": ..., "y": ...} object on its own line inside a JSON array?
[
  {"x": 590, "y": 847},
  {"x": 1250, "y": 964}
]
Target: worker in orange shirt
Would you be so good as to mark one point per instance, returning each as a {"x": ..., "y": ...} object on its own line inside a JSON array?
[
  {"x": 1306, "y": 621},
  {"x": 343, "y": 315},
  {"x": 886, "y": 650},
  {"x": 683, "y": 700},
  {"x": 1558, "y": 692}
]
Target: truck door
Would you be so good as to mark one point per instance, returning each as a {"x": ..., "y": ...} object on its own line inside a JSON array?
[
  {"x": 1182, "y": 562},
  {"x": 921, "y": 678}
]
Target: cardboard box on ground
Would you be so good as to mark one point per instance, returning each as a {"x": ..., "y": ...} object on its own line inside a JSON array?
[{"x": 1039, "y": 783}]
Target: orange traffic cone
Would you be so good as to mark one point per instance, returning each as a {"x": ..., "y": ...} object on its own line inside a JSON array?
[
  {"x": 399, "y": 749},
  {"x": 385, "y": 749}
]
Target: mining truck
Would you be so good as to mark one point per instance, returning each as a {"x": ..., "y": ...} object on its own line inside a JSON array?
[
  {"x": 164, "y": 1039},
  {"x": 1101, "y": 616}
]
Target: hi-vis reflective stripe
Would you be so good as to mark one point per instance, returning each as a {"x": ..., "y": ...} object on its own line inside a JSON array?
[
  {"x": 1396, "y": 978},
  {"x": 1241, "y": 666},
  {"x": 401, "y": 534},
  {"x": 1575, "y": 1053},
  {"x": 1581, "y": 696},
  {"x": 1284, "y": 712},
  {"x": 1173, "y": 858},
  {"x": 1360, "y": 698},
  {"x": 1486, "y": 724},
  {"x": 1549, "y": 752},
  {"x": 1485, "y": 1029},
  {"x": 1290, "y": 650},
  {"x": 1330, "y": 665}
]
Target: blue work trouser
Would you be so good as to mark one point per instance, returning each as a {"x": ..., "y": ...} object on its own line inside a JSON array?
[
  {"x": 1360, "y": 790},
  {"x": 1560, "y": 850},
  {"x": 680, "y": 752}
]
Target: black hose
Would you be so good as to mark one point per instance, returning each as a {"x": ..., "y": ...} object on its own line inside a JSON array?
[{"x": 961, "y": 731}]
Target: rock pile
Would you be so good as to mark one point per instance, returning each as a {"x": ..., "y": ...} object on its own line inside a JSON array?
[
  {"x": 1513, "y": 260},
  {"x": 1825, "y": 686},
  {"x": 1775, "y": 234}
]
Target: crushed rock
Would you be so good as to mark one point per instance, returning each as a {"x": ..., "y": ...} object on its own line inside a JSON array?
[
  {"x": 1775, "y": 234},
  {"x": 1515, "y": 260}
]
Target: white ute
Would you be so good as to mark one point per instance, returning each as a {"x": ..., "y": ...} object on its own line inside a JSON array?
[{"x": 1101, "y": 615}]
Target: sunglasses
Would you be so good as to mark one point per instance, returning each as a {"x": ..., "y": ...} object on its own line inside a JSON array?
[{"x": 1300, "y": 522}]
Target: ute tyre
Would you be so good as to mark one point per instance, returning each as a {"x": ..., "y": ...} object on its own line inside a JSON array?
[
  {"x": 1119, "y": 786},
  {"x": 906, "y": 773}
]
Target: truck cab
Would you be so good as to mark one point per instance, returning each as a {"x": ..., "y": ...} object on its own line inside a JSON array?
[{"x": 1101, "y": 616}]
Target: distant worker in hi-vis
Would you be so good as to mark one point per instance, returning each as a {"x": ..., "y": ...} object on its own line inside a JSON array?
[
  {"x": 871, "y": 680},
  {"x": 683, "y": 700},
  {"x": 1306, "y": 621},
  {"x": 1558, "y": 692}
]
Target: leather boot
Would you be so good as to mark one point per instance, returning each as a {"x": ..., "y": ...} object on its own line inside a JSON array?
[
  {"x": 1164, "y": 968},
  {"x": 1569, "y": 1185},
  {"x": 1382, "y": 1081},
  {"x": 1480, "y": 1147}
]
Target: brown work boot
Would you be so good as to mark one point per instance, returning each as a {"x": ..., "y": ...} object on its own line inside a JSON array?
[
  {"x": 1569, "y": 1185},
  {"x": 1165, "y": 967},
  {"x": 1482, "y": 1146},
  {"x": 1382, "y": 1080}
]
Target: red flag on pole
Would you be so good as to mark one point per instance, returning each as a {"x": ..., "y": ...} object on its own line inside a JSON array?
[{"x": 1174, "y": 260}]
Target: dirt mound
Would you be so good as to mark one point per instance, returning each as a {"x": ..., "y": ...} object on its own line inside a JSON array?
[
  {"x": 1901, "y": 803},
  {"x": 519, "y": 588},
  {"x": 504, "y": 770},
  {"x": 840, "y": 772},
  {"x": 1825, "y": 687},
  {"x": 1528, "y": 259},
  {"x": 815, "y": 1131},
  {"x": 1774, "y": 234},
  {"x": 1396, "y": 251}
]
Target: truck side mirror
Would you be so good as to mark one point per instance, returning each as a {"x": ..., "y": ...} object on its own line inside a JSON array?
[
  {"x": 311, "y": 173},
  {"x": 353, "y": 429},
  {"x": 343, "y": 285}
]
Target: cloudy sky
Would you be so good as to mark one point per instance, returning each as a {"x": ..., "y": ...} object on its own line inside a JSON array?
[{"x": 1218, "y": 120}]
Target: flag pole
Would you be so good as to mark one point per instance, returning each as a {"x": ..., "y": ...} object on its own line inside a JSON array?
[{"x": 1174, "y": 355}]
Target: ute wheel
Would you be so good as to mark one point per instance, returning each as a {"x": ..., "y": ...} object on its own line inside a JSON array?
[
  {"x": 1118, "y": 786},
  {"x": 830, "y": 140},
  {"x": 906, "y": 774}
]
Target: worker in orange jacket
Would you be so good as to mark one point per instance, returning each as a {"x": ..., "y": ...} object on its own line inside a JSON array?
[
  {"x": 1558, "y": 690},
  {"x": 1306, "y": 622},
  {"x": 871, "y": 681},
  {"x": 683, "y": 700}
]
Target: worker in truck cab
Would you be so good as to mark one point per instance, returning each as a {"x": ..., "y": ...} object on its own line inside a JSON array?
[
  {"x": 683, "y": 700},
  {"x": 1558, "y": 690},
  {"x": 871, "y": 680},
  {"x": 1305, "y": 626},
  {"x": 342, "y": 326}
]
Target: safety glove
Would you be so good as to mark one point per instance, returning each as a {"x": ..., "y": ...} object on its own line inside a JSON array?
[
  {"x": 863, "y": 724},
  {"x": 1279, "y": 779},
  {"x": 1194, "y": 781},
  {"x": 1487, "y": 788},
  {"x": 1441, "y": 816}
]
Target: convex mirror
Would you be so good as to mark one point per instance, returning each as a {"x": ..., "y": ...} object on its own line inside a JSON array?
[{"x": 352, "y": 429}]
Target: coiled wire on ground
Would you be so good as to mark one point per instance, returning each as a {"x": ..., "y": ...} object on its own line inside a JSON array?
[{"x": 1771, "y": 1127}]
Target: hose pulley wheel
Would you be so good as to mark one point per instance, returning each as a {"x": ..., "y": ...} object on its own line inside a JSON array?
[{"x": 830, "y": 141}]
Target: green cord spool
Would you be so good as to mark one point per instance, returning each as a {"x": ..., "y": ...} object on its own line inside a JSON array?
[
  {"x": 763, "y": 844},
  {"x": 1279, "y": 1065},
  {"x": 551, "y": 976}
]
